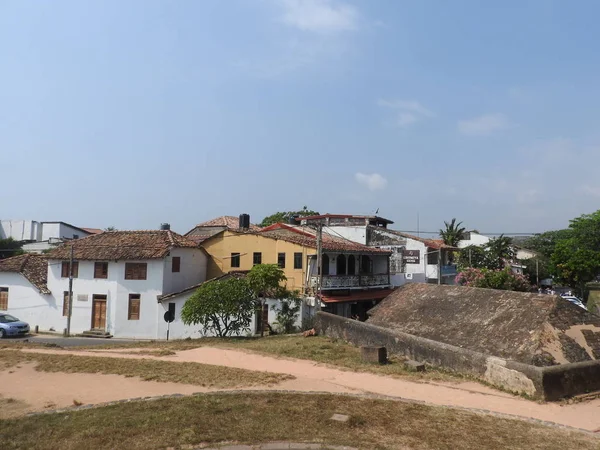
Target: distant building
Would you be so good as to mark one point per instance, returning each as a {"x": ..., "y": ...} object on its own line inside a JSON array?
[
  {"x": 40, "y": 236},
  {"x": 413, "y": 259}
]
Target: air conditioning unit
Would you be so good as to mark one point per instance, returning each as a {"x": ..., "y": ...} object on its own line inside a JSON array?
[{"x": 408, "y": 276}]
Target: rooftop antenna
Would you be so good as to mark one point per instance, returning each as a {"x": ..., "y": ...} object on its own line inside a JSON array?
[
  {"x": 418, "y": 234},
  {"x": 377, "y": 212}
]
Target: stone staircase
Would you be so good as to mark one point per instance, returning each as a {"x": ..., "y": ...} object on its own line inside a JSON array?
[{"x": 95, "y": 334}]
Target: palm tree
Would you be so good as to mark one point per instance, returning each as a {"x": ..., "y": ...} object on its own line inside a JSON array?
[
  {"x": 500, "y": 251},
  {"x": 453, "y": 233}
]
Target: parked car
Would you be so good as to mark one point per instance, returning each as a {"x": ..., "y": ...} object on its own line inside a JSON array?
[
  {"x": 574, "y": 300},
  {"x": 11, "y": 326}
]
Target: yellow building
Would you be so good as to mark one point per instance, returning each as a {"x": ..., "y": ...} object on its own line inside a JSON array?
[
  {"x": 235, "y": 250},
  {"x": 354, "y": 277}
]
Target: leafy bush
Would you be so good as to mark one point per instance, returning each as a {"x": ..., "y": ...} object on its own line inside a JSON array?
[
  {"x": 286, "y": 315},
  {"x": 503, "y": 279}
]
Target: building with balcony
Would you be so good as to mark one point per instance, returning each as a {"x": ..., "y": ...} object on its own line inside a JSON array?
[
  {"x": 412, "y": 258},
  {"x": 352, "y": 273}
]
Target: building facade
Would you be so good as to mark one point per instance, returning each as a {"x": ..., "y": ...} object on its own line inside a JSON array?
[{"x": 117, "y": 280}]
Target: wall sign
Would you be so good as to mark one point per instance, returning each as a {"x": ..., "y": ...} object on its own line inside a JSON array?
[{"x": 411, "y": 256}]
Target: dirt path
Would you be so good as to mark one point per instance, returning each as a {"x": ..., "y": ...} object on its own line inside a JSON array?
[{"x": 316, "y": 377}]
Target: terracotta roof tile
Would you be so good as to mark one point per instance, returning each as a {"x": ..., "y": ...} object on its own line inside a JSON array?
[
  {"x": 230, "y": 222},
  {"x": 307, "y": 237},
  {"x": 123, "y": 245},
  {"x": 93, "y": 230},
  {"x": 31, "y": 266}
]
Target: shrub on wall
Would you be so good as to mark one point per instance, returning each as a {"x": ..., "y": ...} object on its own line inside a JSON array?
[{"x": 503, "y": 279}]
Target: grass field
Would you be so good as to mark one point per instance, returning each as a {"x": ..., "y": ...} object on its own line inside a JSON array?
[
  {"x": 146, "y": 369},
  {"x": 317, "y": 348},
  {"x": 253, "y": 418}
]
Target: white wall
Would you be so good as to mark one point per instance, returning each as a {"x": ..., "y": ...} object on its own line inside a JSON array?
[
  {"x": 178, "y": 330},
  {"x": 476, "y": 239},
  {"x": 117, "y": 291},
  {"x": 58, "y": 230},
  {"x": 19, "y": 230},
  {"x": 355, "y": 234},
  {"x": 26, "y": 303},
  {"x": 192, "y": 269}
]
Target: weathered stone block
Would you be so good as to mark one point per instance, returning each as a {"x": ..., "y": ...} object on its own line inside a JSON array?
[
  {"x": 340, "y": 418},
  {"x": 376, "y": 355}
]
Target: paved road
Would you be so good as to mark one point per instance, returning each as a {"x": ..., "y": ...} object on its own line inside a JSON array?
[{"x": 68, "y": 342}]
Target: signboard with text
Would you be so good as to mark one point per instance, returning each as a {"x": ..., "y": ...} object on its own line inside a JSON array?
[{"x": 411, "y": 256}]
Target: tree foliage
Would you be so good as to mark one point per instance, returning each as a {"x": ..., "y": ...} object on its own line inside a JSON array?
[
  {"x": 503, "y": 279},
  {"x": 224, "y": 307},
  {"x": 576, "y": 257},
  {"x": 453, "y": 233},
  {"x": 286, "y": 314},
  {"x": 285, "y": 216},
  {"x": 268, "y": 281},
  {"x": 9, "y": 247},
  {"x": 495, "y": 255}
]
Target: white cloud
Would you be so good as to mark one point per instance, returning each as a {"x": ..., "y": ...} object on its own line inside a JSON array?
[
  {"x": 373, "y": 181},
  {"x": 322, "y": 16},
  {"x": 593, "y": 191},
  {"x": 408, "y": 112},
  {"x": 483, "y": 125}
]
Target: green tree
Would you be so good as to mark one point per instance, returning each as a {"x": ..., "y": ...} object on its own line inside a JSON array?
[
  {"x": 500, "y": 252},
  {"x": 111, "y": 228},
  {"x": 267, "y": 281},
  {"x": 285, "y": 216},
  {"x": 453, "y": 233},
  {"x": 9, "y": 247},
  {"x": 224, "y": 307},
  {"x": 545, "y": 243},
  {"x": 472, "y": 256}
]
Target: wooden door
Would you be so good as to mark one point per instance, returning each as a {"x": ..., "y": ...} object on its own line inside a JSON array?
[{"x": 99, "y": 312}]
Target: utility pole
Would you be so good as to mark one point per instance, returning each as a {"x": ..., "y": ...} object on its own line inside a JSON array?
[
  {"x": 70, "y": 292},
  {"x": 319, "y": 264},
  {"x": 537, "y": 273},
  {"x": 440, "y": 266},
  {"x": 470, "y": 264}
]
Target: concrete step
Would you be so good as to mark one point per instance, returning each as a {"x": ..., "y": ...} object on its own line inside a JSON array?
[{"x": 95, "y": 334}]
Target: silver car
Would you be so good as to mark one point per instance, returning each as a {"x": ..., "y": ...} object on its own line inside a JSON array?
[
  {"x": 574, "y": 300},
  {"x": 11, "y": 326}
]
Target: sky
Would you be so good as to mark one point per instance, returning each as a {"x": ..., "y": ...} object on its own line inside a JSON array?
[{"x": 131, "y": 113}]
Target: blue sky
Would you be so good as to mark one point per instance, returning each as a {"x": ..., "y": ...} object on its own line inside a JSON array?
[{"x": 132, "y": 113}]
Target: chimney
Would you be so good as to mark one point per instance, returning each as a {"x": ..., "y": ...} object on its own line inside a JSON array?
[
  {"x": 244, "y": 222},
  {"x": 165, "y": 226}
]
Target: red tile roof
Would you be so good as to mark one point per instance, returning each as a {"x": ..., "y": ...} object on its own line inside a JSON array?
[
  {"x": 93, "y": 230},
  {"x": 230, "y": 222},
  {"x": 123, "y": 245},
  {"x": 31, "y": 266},
  {"x": 307, "y": 237}
]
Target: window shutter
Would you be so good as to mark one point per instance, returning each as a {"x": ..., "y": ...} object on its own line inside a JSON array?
[
  {"x": 143, "y": 271},
  {"x": 65, "y": 270},
  {"x": 75, "y": 269}
]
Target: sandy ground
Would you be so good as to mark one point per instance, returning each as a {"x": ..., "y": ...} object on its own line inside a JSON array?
[{"x": 39, "y": 389}]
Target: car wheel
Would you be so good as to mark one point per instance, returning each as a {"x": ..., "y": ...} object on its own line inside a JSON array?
[{"x": 2, "y": 333}]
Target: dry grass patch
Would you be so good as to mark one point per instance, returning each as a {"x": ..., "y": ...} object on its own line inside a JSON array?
[
  {"x": 265, "y": 417},
  {"x": 317, "y": 348},
  {"x": 10, "y": 407},
  {"x": 146, "y": 369}
]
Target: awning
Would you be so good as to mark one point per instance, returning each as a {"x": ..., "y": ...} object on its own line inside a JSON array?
[{"x": 359, "y": 296}]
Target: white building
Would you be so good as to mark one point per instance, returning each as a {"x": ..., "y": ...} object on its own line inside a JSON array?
[
  {"x": 413, "y": 259},
  {"x": 473, "y": 238},
  {"x": 40, "y": 236},
  {"x": 117, "y": 279}
]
